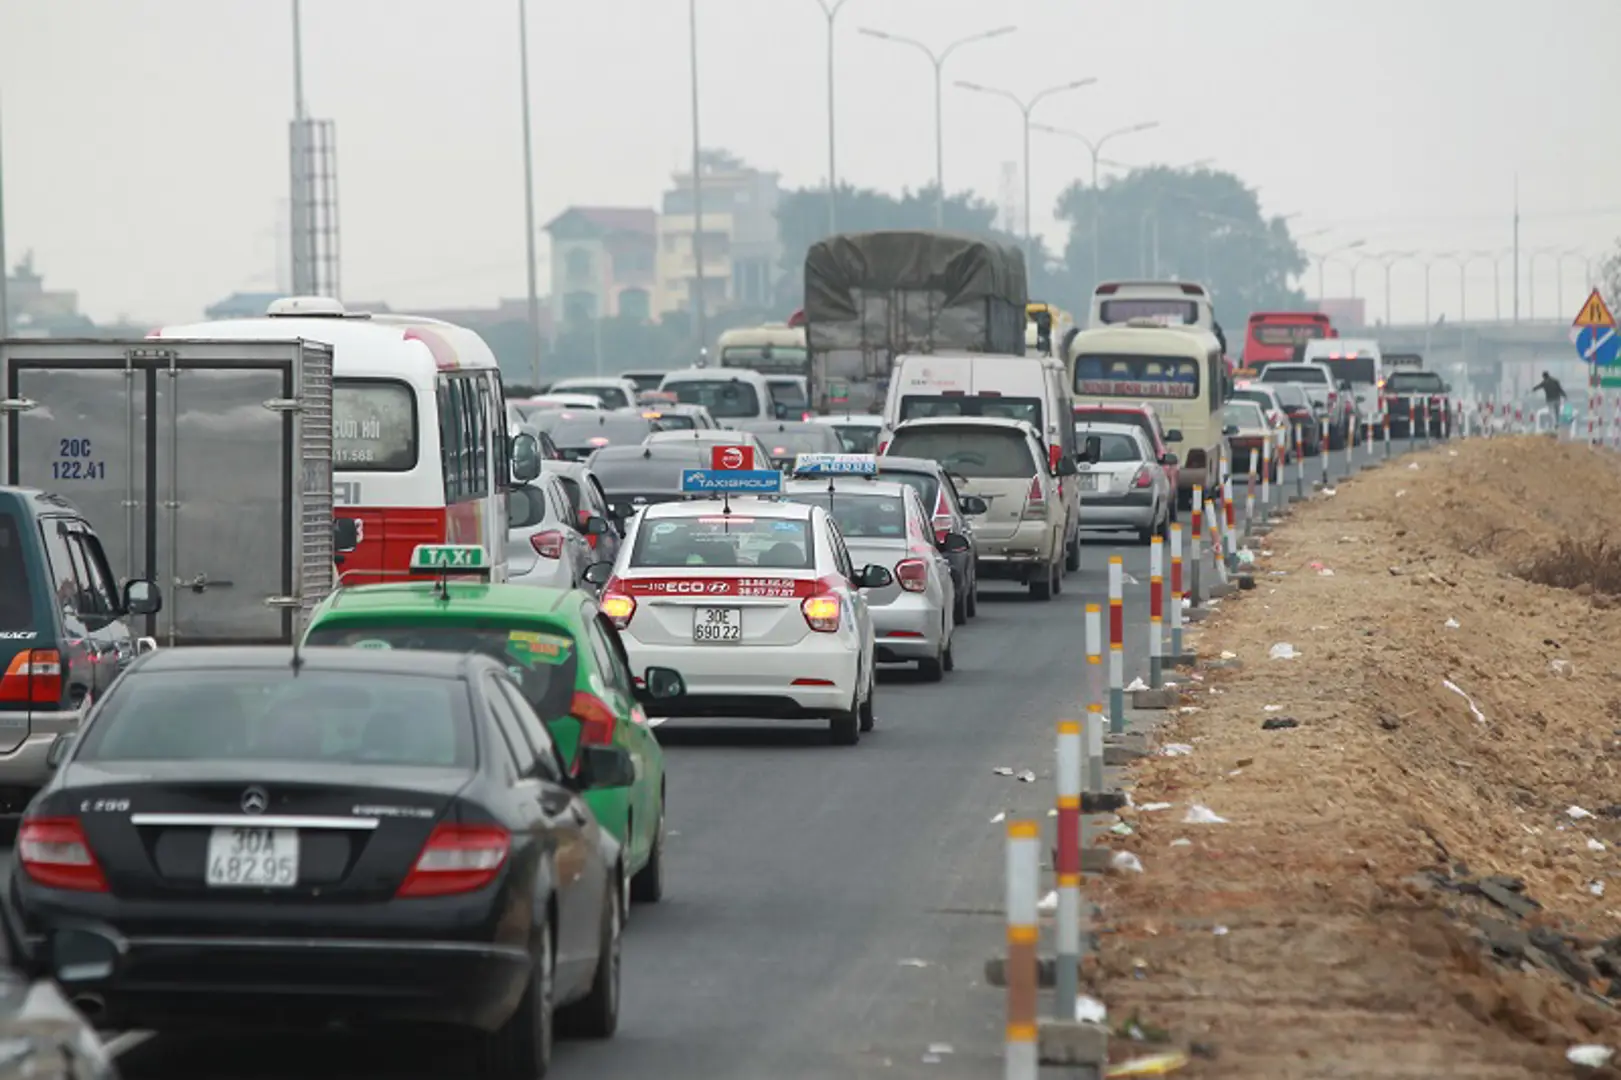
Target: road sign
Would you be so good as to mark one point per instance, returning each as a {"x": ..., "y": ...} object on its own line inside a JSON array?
[
  {"x": 731, "y": 458},
  {"x": 1599, "y": 345},
  {"x": 1610, "y": 381},
  {"x": 1595, "y": 312},
  {"x": 734, "y": 481}
]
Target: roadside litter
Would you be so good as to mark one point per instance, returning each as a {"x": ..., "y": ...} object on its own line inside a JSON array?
[
  {"x": 1136, "y": 684},
  {"x": 1577, "y": 813},
  {"x": 1152, "y": 806},
  {"x": 1282, "y": 651},
  {"x": 1175, "y": 749},
  {"x": 1126, "y": 862},
  {"x": 1590, "y": 1055},
  {"x": 1480, "y": 717},
  {"x": 1203, "y": 815},
  {"x": 1451, "y": 624},
  {"x": 1090, "y": 1010},
  {"x": 1048, "y": 904},
  {"x": 1279, "y": 723},
  {"x": 1151, "y": 1065}
]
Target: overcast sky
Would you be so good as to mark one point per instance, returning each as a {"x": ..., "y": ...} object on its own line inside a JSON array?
[{"x": 145, "y": 143}]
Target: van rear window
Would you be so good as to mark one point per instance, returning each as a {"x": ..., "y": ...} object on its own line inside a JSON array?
[
  {"x": 16, "y": 598},
  {"x": 916, "y": 407},
  {"x": 969, "y": 450}
]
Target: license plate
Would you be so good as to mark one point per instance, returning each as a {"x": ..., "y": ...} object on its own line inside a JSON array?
[
  {"x": 253, "y": 858},
  {"x": 717, "y": 624}
]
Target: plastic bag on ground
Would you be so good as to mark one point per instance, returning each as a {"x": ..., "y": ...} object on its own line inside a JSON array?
[
  {"x": 1282, "y": 651},
  {"x": 1203, "y": 815},
  {"x": 1126, "y": 862},
  {"x": 1136, "y": 684}
]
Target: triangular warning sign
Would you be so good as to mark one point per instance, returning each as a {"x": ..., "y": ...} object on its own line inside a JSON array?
[{"x": 1595, "y": 312}]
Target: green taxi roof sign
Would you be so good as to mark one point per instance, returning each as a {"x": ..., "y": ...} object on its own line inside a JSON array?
[{"x": 449, "y": 559}]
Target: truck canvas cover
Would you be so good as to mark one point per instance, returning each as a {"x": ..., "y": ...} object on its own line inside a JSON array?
[{"x": 872, "y": 296}]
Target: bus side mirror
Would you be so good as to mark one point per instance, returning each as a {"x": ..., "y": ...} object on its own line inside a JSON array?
[
  {"x": 1092, "y": 450},
  {"x": 525, "y": 453},
  {"x": 1174, "y": 435},
  {"x": 345, "y": 534}
]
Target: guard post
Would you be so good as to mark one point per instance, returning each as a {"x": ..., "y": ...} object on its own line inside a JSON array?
[
  {"x": 1156, "y": 612},
  {"x": 1176, "y": 594},
  {"x": 1196, "y": 552},
  {"x": 1023, "y": 933},
  {"x": 1068, "y": 866},
  {"x": 1117, "y": 644}
]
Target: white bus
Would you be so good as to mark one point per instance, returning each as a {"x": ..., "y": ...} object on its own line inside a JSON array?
[{"x": 420, "y": 447}]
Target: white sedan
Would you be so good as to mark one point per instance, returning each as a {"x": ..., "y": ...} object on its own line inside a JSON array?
[{"x": 758, "y": 603}]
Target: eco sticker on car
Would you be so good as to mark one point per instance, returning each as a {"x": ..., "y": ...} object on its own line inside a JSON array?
[{"x": 533, "y": 648}]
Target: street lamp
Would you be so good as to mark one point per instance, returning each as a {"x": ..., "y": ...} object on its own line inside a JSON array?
[
  {"x": 1095, "y": 146},
  {"x": 830, "y": 8},
  {"x": 1025, "y": 108},
  {"x": 1559, "y": 255},
  {"x": 699, "y": 316},
  {"x": 528, "y": 195},
  {"x": 1322, "y": 263},
  {"x": 938, "y": 59},
  {"x": 1442, "y": 257},
  {"x": 1386, "y": 259}
]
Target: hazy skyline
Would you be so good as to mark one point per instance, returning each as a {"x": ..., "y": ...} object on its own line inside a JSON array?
[{"x": 145, "y": 145}]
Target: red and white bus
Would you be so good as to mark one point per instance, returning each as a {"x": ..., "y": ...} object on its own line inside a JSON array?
[
  {"x": 1272, "y": 336},
  {"x": 420, "y": 446}
]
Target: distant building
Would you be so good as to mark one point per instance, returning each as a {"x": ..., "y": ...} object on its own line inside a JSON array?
[
  {"x": 603, "y": 263},
  {"x": 742, "y": 246},
  {"x": 242, "y": 305},
  {"x": 35, "y": 311}
]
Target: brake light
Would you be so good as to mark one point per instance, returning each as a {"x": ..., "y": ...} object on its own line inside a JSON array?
[
  {"x": 883, "y": 445},
  {"x": 1143, "y": 478},
  {"x": 33, "y": 676},
  {"x": 912, "y": 575},
  {"x": 807, "y": 417},
  {"x": 457, "y": 859},
  {"x": 1035, "y": 503},
  {"x": 55, "y": 853},
  {"x": 822, "y": 613},
  {"x": 616, "y": 605},
  {"x": 548, "y": 545},
  {"x": 942, "y": 517},
  {"x": 1055, "y": 454},
  {"x": 597, "y": 721}
]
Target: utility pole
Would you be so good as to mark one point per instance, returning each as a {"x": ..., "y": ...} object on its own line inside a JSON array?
[
  {"x": 1516, "y": 247},
  {"x": 301, "y": 221},
  {"x": 529, "y": 196},
  {"x": 699, "y": 318},
  {"x": 5, "y": 267},
  {"x": 831, "y": 10}
]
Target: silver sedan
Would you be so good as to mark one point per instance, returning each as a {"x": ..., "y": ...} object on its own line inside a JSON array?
[
  {"x": 544, "y": 543},
  {"x": 1123, "y": 487}
]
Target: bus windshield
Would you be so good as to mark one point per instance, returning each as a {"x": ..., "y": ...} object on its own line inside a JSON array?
[
  {"x": 765, "y": 357},
  {"x": 1131, "y": 376},
  {"x": 1168, "y": 310},
  {"x": 1287, "y": 333}
]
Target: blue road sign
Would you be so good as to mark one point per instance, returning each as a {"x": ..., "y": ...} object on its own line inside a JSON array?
[
  {"x": 1599, "y": 345},
  {"x": 731, "y": 481}
]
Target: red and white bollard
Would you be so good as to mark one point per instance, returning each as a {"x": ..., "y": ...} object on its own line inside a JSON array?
[
  {"x": 1023, "y": 934},
  {"x": 1068, "y": 866}
]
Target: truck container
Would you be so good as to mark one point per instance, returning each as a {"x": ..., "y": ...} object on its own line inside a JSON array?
[
  {"x": 870, "y": 297},
  {"x": 205, "y": 466}
]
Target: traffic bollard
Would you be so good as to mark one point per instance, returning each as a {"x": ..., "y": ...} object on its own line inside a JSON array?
[
  {"x": 1095, "y": 724},
  {"x": 1156, "y": 613},
  {"x": 1196, "y": 552},
  {"x": 1273, "y": 457},
  {"x": 1218, "y": 543},
  {"x": 1384, "y": 412},
  {"x": 1324, "y": 453},
  {"x": 1412, "y": 423},
  {"x": 1427, "y": 436},
  {"x": 1350, "y": 447},
  {"x": 1117, "y": 644},
  {"x": 1068, "y": 866},
  {"x": 1367, "y": 429},
  {"x": 1095, "y": 681},
  {"x": 1229, "y": 530},
  {"x": 1300, "y": 466},
  {"x": 1176, "y": 593},
  {"x": 1023, "y": 933},
  {"x": 1249, "y": 493}
]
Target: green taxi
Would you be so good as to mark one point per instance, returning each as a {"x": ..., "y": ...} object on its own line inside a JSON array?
[{"x": 567, "y": 657}]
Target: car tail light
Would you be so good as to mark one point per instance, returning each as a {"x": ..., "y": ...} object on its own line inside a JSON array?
[
  {"x": 1035, "y": 503},
  {"x": 1055, "y": 454},
  {"x": 457, "y": 859},
  {"x": 912, "y": 575},
  {"x": 548, "y": 545},
  {"x": 618, "y": 606},
  {"x": 807, "y": 417},
  {"x": 33, "y": 676},
  {"x": 883, "y": 444},
  {"x": 55, "y": 853},
  {"x": 597, "y": 721},
  {"x": 1143, "y": 479},
  {"x": 822, "y": 613}
]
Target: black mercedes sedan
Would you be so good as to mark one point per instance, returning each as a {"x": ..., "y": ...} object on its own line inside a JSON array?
[{"x": 249, "y": 837}]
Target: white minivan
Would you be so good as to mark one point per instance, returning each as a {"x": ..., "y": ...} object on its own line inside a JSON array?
[
  {"x": 1359, "y": 362},
  {"x": 1031, "y": 388},
  {"x": 730, "y": 394}
]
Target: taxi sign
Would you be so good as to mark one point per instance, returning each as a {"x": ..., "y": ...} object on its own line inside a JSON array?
[
  {"x": 435, "y": 558},
  {"x": 731, "y": 481},
  {"x": 836, "y": 465},
  {"x": 737, "y": 458}
]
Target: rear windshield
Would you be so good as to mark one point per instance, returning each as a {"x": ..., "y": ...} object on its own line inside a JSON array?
[
  {"x": 374, "y": 426},
  {"x": 857, "y": 439},
  {"x": 1353, "y": 369},
  {"x": 1243, "y": 414},
  {"x": 1407, "y": 382},
  {"x": 1008, "y": 408},
  {"x": 926, "y": 485},
  {"x": 1110, "y": 416},
  {"x": 611, "y": 396},
  {"x": 1113, "y": 446},
  {"x": 544, "y": 662},
  {"x": 789, "y": 392},
  {"x": 1290, "y": 373},
  {"x": 16, "y": 598},
  {"x": 1291, "y": 395},
  {"x": 973, "y": 452},
  {"x": 644, "y": 382},
  {"x": 1131, "y": 376},
  {"x": 626, "y": 469},
  {"x": 1170, "y": 311},
  {"x": 321, "y": 717},
  {"x": 724, "y": 398},
  {"x": 1253, "y": 396},
  {"x": 724, "y": 540},
  {"x": 1288, "y": 333},
  {"x": 812, "y": 439},
  {"x": 677, "y": 422},
  {"x": 880, "y": 516},
  {"x": 592, "y": 432}
]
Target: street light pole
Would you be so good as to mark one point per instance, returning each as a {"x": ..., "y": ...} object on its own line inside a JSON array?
[
  {"x": 5, "y": 267},
  {"x": 529, "y": 196},
  {"x": 699, "y": 316},
  {"x": 1025, "y": 108},
  {"x": 1322, "y": 265},
  {"x": 831, "y": 10},
  {"x": 939, "y": 62},
  {"x": 1095, "y": 146},
  {"x": 1388, "y": 260}
]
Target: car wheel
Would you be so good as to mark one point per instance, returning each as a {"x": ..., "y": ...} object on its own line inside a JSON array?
[
  {"x": 521, "y": 1048},
  {"x": 1042, "y": 588},
  {"x": 1072, "y": 555},
  {"x": 972, "y": 607},
  {"x": 596, "y": 1016},
  {"x": 949, "y": 659},
  {"x": 844, "y": 729},
  {"x": 867, "y": 715},
  {"x": 647, "y": 887},
  {"x": 933, "y": 669}
]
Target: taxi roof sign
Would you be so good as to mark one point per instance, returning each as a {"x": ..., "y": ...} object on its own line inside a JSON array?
[
  {"x": 449, "y": 558},
  {"x": 1595, "y": 312},
  {"x": 731, "y": 481},
  {"x": 836, "y": 465}
]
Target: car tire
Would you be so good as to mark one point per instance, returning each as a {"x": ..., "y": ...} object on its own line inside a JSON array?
[
  {"x": 844, "y": 729},
  {"x": 972, "y": 606},
  {"x": 949, "y": 659},
  {"x": 933, "y": 669},
  {"x": 647, "y": 886},
  {"x": 959, "y": 607},
  {"x": 596, "y": 1016},
  {"x": 867, "y": 716},
  {"x": 521, "y": 1048},
  {"x": 1072, "y": 555},
  {"x": 1042, "y": 589}
]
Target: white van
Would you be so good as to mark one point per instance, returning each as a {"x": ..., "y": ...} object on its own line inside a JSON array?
[
  {"x": 1168, "y": 303},
  {"x": 1181, "y": 372},
  {"x": 1034, "y": 389},
  {"x": 1357, "y": 361},
  {"x": 730, "y": 394}
]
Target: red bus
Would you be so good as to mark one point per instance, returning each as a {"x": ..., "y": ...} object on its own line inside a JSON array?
[{"x": 1272, "y": 336}]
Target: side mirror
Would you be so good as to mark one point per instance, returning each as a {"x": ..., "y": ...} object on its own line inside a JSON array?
[
  {"x": 604, "y": 767},
  {"x": 1230, "y": 429},
  {"x": 1345, "y": 384},
  {"x": 1174, "y": 435},
  {"x": 955, "y": 544},
  {"x": 345, "y": 534},
  {"x": 973, "y": 505},
  {"x": 873, "y": 576},
  {"x": 1066, "y": 467},
  {"x": 141, "y": 597},
  {"x": 596, "y": 525},
  {"x": 525, "y": 453},
  {"x": 663, "y": 683},
  {"x": 598, "y": 573},
  {"x": 60, "y": 748},
  {"x": 1093, "y": 450},
  {"x": 144, "y": 645},
  {"x": 1169, "y": 459}
]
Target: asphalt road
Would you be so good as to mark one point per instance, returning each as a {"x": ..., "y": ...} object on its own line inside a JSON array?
[{"x": 829, "y": 910}]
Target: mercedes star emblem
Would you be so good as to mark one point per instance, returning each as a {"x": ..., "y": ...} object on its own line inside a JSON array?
[{"x": 255, "y": 800}]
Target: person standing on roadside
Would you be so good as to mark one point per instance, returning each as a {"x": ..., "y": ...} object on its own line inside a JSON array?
[{"x": 1550, "y": 388}]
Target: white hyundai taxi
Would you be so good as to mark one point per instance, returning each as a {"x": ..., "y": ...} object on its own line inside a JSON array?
[{"x": 759, "y": 601}]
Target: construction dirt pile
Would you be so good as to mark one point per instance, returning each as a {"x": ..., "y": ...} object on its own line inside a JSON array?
[{"x": 1380, "y": 838}]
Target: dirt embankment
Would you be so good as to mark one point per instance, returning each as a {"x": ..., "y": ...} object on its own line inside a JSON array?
[{"x": 1419, "y": 877}]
